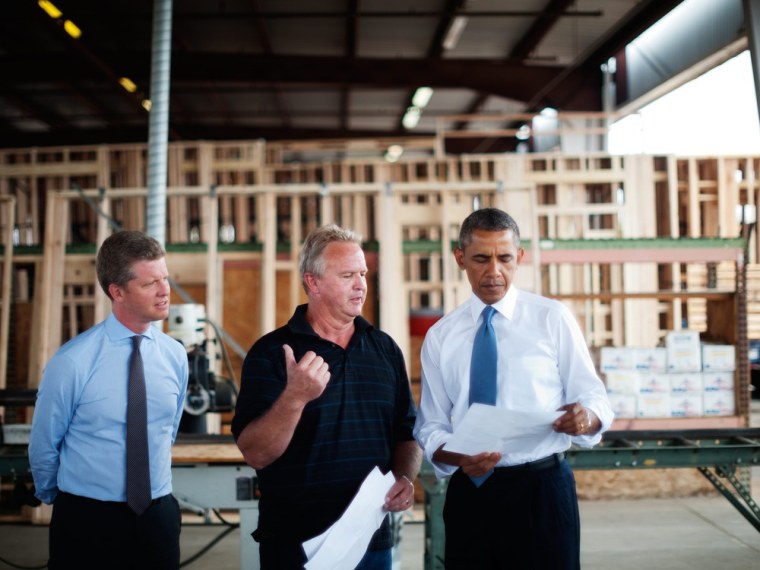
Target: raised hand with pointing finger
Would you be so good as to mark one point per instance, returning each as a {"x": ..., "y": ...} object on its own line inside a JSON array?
[
  {"x": 307, "y": 378},
  {"x": 325, "y": 400}
]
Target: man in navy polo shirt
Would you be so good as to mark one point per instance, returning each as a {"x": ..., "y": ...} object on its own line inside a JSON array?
[{"x": 323, "y": 400}]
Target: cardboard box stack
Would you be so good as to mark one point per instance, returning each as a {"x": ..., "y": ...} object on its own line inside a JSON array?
[{"x": 685, "y": 378}]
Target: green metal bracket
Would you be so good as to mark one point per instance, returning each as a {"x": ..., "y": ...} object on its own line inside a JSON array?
[
  {"x": 748, "y": 508},
  {"x": 716, "y": 453},
  {"x": 435, "y": 537}
]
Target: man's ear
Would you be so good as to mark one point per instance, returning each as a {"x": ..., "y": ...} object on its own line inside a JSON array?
[
  {"x": 115, "y": 291},
  {"x": 311, "y": 282},
  {"x": 459, "y": 257}
]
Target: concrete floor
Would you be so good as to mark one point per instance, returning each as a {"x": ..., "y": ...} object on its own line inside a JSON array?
[
  {"x": 666, "y": 534},
  {"x": 692, "y": 533}
]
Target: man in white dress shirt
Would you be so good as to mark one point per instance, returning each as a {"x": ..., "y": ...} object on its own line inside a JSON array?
[{"x": 525, "y": 513}]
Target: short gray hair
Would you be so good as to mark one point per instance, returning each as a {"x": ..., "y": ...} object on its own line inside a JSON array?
[{"x": 311, "y": 259}]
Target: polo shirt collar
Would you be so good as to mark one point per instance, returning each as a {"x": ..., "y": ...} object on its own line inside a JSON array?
[{"x": 298, "y": 323}]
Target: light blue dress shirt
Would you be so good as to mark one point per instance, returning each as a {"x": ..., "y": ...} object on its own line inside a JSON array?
[{"x": 78, "y": 439}]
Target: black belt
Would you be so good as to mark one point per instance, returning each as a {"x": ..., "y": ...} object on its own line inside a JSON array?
[
  {"x": 551, "y": 461},
  {"x": 91, "y": 500}
]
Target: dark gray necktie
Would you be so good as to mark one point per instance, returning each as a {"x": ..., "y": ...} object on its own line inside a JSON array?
[{"x": 138, "y": 462}]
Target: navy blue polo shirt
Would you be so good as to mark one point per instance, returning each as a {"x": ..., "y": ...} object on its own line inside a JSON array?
[{"x": 365, "y": 410}]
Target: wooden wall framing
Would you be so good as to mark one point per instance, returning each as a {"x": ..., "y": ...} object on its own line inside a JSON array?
[
  {"x": 7, "y": 224},
  {"x": 235, "y": 204}
]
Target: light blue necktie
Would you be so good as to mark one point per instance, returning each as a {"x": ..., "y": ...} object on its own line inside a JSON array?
[{"x": 483, "y": 370}]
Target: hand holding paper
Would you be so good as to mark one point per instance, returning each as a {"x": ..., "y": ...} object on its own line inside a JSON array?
[
  {"x": 488, "y": 428},
  {"x": 342, "y": 546}
]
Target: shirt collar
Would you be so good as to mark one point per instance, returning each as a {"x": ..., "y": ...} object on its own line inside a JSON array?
[
  {"x": 505, "y": 305},
  {"x": 117, "y": 331},
  {"x": 299, "y": 324}
]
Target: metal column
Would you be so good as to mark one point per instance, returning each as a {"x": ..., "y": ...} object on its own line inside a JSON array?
[
  {"x": 158, "y": 129},
  {"x": 752, "y": 21}
]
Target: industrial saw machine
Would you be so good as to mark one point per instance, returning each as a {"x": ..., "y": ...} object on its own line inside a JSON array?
[{"x": 207, "y": 392}]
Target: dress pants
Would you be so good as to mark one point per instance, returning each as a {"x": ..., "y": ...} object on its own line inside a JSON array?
[
  {"x": 88, "y": 534},
  {"x": 288, "y": 555},
  {"x": 518, "y": 519}
]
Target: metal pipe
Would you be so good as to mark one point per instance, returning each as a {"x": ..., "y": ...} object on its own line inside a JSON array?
[
  {"x": 158, "y": 127},
  {"x": 752, "y": 24}
]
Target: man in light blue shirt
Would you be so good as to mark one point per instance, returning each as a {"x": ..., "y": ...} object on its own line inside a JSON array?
[{"x": 78, "y": 448}]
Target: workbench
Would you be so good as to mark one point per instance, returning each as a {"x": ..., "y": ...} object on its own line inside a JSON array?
[
  {"x": 716, "y": 453},
  {"x": 208, "y": 472}
]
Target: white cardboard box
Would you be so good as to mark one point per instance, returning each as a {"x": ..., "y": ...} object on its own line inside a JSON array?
[
  {"x": 651, "y": 359},
  {"x": 718, "y": 357},
  {"x": 622, "y": 382},
  {"x": 654, "y": 383},
  {"x": 686, "y": 405},
  {"x": 722, "y": 403},
  {"x": 624, "y": 405},
  {"x": 683, "y": 382},
  {"x": 617, "y": 358},
  {"x": 653, "y": 406},
  {"x": 684, "y": 351},
  {"x": 718, "y": 381},
  {"x": 16, "y": 434}
]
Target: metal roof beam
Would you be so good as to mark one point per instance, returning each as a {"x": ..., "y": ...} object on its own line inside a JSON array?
[
  {"x": 435, "y": 50},
  {"x": 266, "y": 46}
]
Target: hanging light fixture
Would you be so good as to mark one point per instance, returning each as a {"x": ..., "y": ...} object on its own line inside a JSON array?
[
  {"x": 411, "y": 117},
  {"x": 454, "y": 32},
  {"x": 50, "y": 9},
  {"x": 422, "y": 97}
]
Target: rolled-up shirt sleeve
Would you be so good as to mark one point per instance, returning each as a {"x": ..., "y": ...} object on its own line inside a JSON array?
[
  {"x": 433, "y": 427},
  {"x": 581, "y": 381}
]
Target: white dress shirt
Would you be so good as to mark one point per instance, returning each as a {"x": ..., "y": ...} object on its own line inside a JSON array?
[{"x": 543, "y": 364}]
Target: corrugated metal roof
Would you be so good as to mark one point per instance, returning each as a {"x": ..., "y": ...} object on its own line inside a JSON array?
[{"x": 286, "y": 69}]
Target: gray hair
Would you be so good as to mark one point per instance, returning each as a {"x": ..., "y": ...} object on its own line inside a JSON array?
[
  {"x": 490, "y": 220},
  {"x": 119, "y": 252},
  {"x": 311, "y": 259}
]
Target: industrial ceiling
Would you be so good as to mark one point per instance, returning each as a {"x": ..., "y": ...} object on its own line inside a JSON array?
[{"x": 296, "y": 69}]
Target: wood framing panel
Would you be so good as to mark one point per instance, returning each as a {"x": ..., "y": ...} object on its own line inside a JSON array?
[
  {"x": 7, "y": 223},
  {"x": 257, "y": 196}
]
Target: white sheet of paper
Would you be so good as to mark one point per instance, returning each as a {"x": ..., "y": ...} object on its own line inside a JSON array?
[
  {"x": 344, "y": 544},
  {"x": 488, "y": 428}
]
